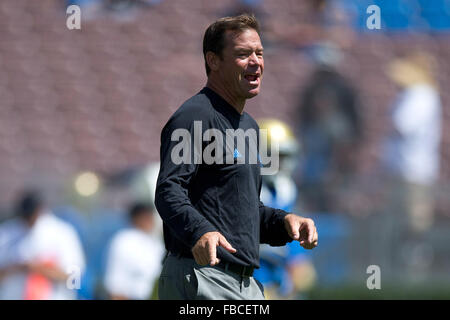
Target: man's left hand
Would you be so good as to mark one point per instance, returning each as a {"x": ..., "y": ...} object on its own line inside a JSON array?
[{"x": 301, "y": 229}]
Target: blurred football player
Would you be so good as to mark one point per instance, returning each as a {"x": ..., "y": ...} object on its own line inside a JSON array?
[
  {"x": 411, "y": 157},
  {"x": 412, "y": 153},
  {"x": 287, "y": 271},
  {"x": 134, "y": 259},
  {"x": 39, "y": 253}
]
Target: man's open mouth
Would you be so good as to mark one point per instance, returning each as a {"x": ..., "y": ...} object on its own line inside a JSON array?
[{"x": 252, "y": 77}]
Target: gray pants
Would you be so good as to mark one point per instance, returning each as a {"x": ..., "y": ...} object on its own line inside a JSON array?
[{"x": 183, "y": 278}]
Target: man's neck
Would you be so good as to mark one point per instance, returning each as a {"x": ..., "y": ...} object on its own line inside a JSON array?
[{"x": 236, "y": 103}]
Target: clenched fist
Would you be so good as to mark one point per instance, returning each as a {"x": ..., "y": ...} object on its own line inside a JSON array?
[{"x": 302, "y": 230}]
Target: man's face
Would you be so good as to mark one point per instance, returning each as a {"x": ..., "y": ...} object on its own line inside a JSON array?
[{"x": 242, "y": 65}]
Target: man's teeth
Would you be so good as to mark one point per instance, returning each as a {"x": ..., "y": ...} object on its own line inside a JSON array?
[{"x": 251, "y": 77}]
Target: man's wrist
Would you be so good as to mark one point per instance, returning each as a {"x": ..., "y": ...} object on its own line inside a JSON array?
[
  {"x": 200, "y": 232},
  {"x": 289, "y": 216}
]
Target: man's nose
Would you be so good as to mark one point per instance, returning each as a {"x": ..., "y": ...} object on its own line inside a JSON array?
[{"x": 254, "y": 59}]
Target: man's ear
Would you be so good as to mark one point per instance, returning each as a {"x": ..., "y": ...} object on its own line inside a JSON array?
[{"x": 213, "y": 60}]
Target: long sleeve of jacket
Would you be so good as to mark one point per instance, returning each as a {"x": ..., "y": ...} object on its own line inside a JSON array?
[
  {"x": 171, "y": 198},
  {"x": 272, "y": 229}
]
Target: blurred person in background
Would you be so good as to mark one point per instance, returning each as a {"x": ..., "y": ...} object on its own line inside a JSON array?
[
  {"x": 134, "y": 257},
  {"x": 411, "y": 152},
  {"x": 38, "y": 253},
  {"x": 286, "y": 272},
  {"x": 330, "y": 131},
  {"x": 143, "y": 187}
]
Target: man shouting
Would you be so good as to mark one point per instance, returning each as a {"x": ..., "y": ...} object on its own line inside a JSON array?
[{"x": 213, "y": 218}]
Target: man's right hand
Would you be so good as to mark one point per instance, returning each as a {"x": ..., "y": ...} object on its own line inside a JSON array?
[{"x": 205, "y": 250}]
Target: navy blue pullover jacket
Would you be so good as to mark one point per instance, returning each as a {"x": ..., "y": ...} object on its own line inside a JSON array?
[{"x": 193, "y": 199}]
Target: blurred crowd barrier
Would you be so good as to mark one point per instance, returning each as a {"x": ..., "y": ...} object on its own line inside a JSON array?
[{"x": 81, "y": 113}]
